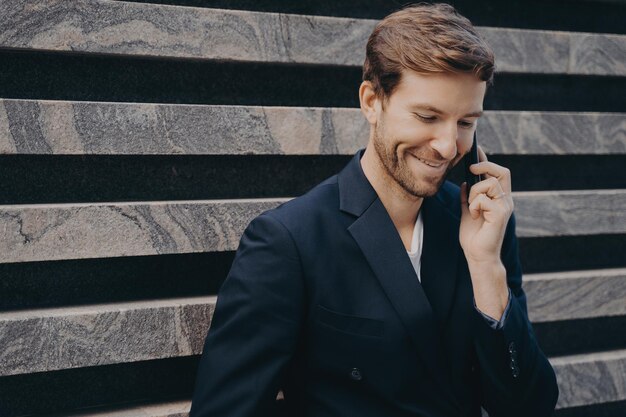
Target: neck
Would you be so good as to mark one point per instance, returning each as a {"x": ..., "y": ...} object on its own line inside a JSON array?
[{"x": 401, "y": 206}]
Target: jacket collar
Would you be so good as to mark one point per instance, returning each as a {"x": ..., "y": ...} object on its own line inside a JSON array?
[
  {"x": 422, "y": 308},
  {"x": 356, "y": 193}
]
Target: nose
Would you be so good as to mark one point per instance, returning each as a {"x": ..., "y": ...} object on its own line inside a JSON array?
[{"x": 445, "y": 142}]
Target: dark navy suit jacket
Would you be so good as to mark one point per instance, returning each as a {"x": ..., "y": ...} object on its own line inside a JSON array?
[{"x": 323, "y": 302}]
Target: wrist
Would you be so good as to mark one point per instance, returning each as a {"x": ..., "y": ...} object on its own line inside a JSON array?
[{"x": 491, "y": 292}]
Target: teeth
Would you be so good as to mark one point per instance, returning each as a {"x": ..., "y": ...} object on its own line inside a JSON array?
[{"x": 429, "y": 164}]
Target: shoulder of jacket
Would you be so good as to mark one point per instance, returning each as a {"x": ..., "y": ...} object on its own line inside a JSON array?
[{"x": 321, "y": 198}]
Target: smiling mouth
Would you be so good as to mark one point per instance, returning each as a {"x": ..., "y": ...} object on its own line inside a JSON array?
[{"x": 428, "y": 163}]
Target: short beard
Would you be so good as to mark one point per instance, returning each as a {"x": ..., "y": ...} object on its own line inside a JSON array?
[{"x": 398, "y": 171}]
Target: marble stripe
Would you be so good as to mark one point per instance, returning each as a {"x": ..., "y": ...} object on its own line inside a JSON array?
[
  {"x": 111, "y": 27},
  {"x": 552, "y": 133},
  {"x": 169, "y": 409},
  {"x": 590, "y": 378},
  {"x": 570, "y": 213},
  {"x": 576, "y": 294},
  {"x": 593, "y": 54},
  {"x": 63, "y": 127},
  {"x": 107, "y": 27},
  {"x": 63, "y": 338},
  {"x": 79, "y": 231}
]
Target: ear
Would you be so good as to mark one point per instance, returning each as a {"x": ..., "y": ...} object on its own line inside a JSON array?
[{"x": 370, "y": 104}]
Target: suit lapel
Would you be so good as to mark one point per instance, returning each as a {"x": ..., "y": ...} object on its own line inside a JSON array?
[{"x": 378, "y": 239}]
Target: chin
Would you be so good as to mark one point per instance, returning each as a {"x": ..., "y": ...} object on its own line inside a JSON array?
[
  {"x": 424, "y": 186},
  {"x": 421, "y": 189},
  {"x": 428, "y": 187}
]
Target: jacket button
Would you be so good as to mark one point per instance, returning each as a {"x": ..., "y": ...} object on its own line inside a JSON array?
[
  {"x": 512, "y": 348},
  {"x": 356, "y": 374},
  {"x": 515, "y": 371}
]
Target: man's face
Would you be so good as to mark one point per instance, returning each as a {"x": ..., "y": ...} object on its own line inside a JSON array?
[{"x": 426, "y": 128}]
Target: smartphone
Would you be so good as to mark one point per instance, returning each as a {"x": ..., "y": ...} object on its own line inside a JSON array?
[{"x": 471, "y": 158}]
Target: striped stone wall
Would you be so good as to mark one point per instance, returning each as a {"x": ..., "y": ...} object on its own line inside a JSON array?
[{"x": 138, "y": 139}]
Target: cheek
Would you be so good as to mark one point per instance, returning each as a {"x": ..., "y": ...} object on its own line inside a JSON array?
[
  {"x": 413, "y": 127},
  {"x": 464, "y": 143}
]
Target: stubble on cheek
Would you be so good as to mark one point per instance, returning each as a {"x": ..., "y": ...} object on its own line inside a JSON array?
[
  {"x": 396, "y": 162},
  {"x": 419, "y": 184}
]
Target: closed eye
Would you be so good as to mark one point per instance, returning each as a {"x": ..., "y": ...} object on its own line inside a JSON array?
[{"x": 427, "y": 119}]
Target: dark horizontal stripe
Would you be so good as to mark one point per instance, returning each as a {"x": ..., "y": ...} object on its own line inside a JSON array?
[
  {"x": 35, "y": 179},
  {"x": 572, "y": 337},
  {"x": 62, "y": 76},
  {"x": 559, "y": 172},
  {"x": 581, "y": 16},
  {"x": 63, "y": 179},
  {"x": 72, "y": 389},
  {"x": 31, "y": 285},
  {"x": 69, "y": 390},
  {"x": 45, "y": 284},
  {"x": 570, "y": 253},
  {"x": 612, "y": 409},
  {"x": 554, "y": 92}
]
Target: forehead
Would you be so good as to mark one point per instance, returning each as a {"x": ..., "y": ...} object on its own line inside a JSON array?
[{"x": 452, "y": 93}]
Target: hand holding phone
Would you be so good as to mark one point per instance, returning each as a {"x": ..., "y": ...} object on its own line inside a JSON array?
[{"x": 471, "y": 158}]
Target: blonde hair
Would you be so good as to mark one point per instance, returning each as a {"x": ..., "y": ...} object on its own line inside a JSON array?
[{"x": 425, "y": 38}]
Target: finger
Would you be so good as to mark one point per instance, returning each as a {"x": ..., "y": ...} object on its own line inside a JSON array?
[
  {"x": 477, "y": 205},
  {"x": 490, "y": 187},
  {"x": 483, "y": 203},
  {"x": 490, "y": 169},
  {"x": 482, "y": 157}
]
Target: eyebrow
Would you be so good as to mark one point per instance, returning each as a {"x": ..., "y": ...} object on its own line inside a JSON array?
[{"x": 436, "y": 110}]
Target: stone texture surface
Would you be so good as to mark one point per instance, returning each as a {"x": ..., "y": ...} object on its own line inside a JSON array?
[
  {"x": 58, "y": 127},
  {"x": 519, "y": 50},
  {"x": 63, "y": 338},
  {"x": 576, "y": 294},
  {"x": 555, "y": 52},
  {"x": 590, "y": 378},
  {"x": 170, "y": 409},
  {"x": 68, "y": 231},
  {"x": 569, "y": 213},
  {"x": 598, "y": 54},
  {"x": 552, "y": 133},
  {"x": 78, "y": 231},
  {"x": 170, "y": 31},
  {"x": 187, "y": 32},
  {"x": 62, "y": 127}
]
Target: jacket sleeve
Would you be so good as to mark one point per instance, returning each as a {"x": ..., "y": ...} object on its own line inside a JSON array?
[
  {"x": 516, "y": 377},
  {"x": 255, "y": 326}
]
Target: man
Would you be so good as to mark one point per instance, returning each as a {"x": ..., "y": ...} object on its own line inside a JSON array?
[{"x": 382, "y": 291}]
